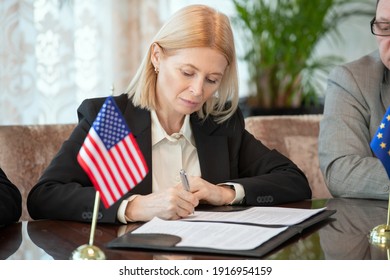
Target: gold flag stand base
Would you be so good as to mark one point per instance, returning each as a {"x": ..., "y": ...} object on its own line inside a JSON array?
[
  {"x": 90, "y": 251},
  {"x": 380, "y": 236}
]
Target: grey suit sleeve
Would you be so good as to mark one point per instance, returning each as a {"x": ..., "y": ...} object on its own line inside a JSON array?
[{"x": 346, "y": 160}]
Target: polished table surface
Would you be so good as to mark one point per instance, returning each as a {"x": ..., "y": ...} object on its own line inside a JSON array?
[{"x": 344, "y": 235}]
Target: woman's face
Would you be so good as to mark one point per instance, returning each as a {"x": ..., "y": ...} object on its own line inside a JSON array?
[
  {"x": 383, "y": 14},
  {"x": 187, "y": 78}
]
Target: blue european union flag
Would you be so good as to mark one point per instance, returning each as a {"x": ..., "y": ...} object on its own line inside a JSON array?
[{"x": 380, "y": 144}]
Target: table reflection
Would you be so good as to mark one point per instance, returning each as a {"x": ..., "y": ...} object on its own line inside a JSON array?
[
  {"x": 19, "y": 246},
  {"x": 10, "y": 240},
  {"x": 347, "y": 236},
  {"x": 60, "y": 239}
]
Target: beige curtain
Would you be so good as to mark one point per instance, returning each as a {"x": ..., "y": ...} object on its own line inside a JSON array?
[
  {"x": 135, "y": 22},
  {"x": 56, "y": 53}
]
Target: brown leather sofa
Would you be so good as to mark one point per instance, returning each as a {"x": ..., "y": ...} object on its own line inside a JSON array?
[
  {"x": 26, "y": 150},
  {"x": 297, "y": 138}
]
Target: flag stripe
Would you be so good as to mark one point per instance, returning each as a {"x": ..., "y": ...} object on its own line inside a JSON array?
[
  {"x": 126, "y": 168},
  {"x": 134, "y": 151},
  {"x": 120, "y": 165},
  {"x": 90, "y": 168},
  {"x": 94, "y": 166},
  {"x": 126, "y": 151},
  {"x": 101, "y": 178},
  {"x": 101, "y": 157}
]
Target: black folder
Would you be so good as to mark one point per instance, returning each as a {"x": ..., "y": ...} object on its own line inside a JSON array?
[{"x": 167, "y": 243}]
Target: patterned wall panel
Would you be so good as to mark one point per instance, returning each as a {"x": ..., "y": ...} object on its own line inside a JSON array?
[{"x": 56, "y": 53}]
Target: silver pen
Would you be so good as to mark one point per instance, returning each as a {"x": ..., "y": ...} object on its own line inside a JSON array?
[{"x": 184, "y": 180}]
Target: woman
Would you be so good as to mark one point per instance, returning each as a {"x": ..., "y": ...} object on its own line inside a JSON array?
[{"x": 182, "y": 108}]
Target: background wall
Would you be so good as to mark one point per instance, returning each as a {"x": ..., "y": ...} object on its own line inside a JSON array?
[{"x": 56, "y": 53}]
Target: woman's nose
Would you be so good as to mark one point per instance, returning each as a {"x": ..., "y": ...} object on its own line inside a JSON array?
[{"x": 197, "y": 87}]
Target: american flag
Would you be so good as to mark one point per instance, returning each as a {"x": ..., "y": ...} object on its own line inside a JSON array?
[
  {"x": 110, "y": 155},
  {"x": 380, "y": 144}
]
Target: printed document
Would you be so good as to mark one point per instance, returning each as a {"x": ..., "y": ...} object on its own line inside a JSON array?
[
  {"x": 258, "y": 215},
  {"x": 236, "y": 230},
  {"x": 223, "y": 236}
]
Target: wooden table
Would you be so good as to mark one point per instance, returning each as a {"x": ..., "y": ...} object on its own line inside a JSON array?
[{"x": 342, "y": 236}]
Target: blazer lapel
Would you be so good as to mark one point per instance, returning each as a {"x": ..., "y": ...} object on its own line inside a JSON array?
[{"x": 212, "y": 151}]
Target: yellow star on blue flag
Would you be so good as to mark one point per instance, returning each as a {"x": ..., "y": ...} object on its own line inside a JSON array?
[{"x": 380, "y": 143}]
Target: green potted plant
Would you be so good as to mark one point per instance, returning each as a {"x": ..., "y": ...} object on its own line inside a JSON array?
[{"x": 280, "y": 40}]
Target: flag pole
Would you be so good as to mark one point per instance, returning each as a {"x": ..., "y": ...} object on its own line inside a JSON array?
[
  {"x": 90, "y": 251},
  {"x": 94, "y": 218},
  {"x": 388, "y": 212}
]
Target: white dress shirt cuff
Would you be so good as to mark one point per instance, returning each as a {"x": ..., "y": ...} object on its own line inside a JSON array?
[
  {"x": 121, "y": 214},
  {"x": 240, "y": 193}
]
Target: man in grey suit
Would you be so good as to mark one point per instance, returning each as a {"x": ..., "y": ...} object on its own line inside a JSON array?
[{"x": 357, "y": 98}]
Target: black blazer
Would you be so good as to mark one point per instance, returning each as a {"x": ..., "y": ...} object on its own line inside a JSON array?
[
  {"x": 227, "y": 152},
  {"x": 10, "y": 201}
]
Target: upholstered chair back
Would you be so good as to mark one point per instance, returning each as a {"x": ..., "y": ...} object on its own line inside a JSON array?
[
  {"x": 297, "y": 138},
  {"x": 26, "y": 150}
]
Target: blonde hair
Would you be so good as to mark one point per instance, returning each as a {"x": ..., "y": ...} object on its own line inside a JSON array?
[{"x": 191, "y": 27}]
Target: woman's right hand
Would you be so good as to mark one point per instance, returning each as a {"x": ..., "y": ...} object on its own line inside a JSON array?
[{"x": 169, "y": 204}]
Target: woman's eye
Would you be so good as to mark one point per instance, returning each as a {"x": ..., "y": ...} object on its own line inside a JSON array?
[
  {"x": 188, "y": 74},
  {"x": 211, "y": 81}
]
